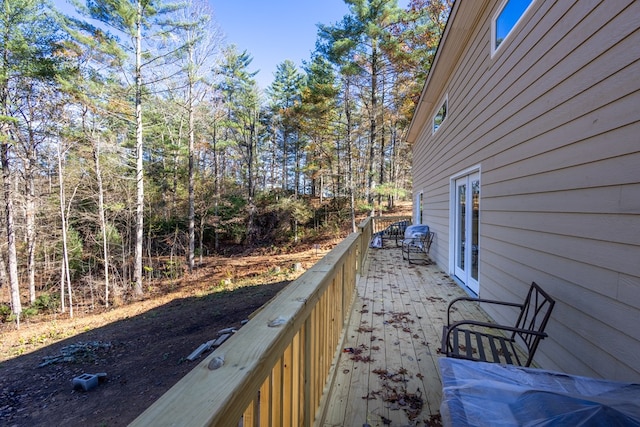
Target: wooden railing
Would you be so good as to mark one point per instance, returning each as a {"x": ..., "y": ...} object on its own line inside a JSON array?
[
  {"x": 275, "y": 369},
  {"x": 372, "y": 225},
  {"x": 382, "y": 222},
  {"x": 365, "y": 228}
]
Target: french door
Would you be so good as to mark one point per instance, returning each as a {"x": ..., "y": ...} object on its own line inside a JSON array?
[{"x": 466, "y": 221}]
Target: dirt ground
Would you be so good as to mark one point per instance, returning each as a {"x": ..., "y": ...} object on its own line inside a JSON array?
[{"x": 142, "y": 347}]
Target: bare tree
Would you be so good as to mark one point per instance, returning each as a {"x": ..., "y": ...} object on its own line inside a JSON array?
[
  {"x": 202, "y": 39},
  {"x": 137, "y": 19}
]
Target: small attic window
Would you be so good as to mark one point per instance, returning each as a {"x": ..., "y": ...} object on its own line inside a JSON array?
[
  {"x": 440, "y": 116},
  {"x": 508, "y": 16}
]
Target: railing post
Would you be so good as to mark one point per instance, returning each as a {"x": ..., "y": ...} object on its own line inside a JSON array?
[{"x": 365, "y": 230}]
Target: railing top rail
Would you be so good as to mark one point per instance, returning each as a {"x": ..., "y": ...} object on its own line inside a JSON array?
[
  {"x": 364, "y": 222},
  {"x": 391, "y": 217}
]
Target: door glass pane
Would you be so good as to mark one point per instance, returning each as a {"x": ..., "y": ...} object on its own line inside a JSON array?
[
  {"x": 475, "y": 192},
  {"x": 462, "y": 189}
]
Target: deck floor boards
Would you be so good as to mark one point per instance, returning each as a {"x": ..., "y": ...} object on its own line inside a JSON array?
[{"x": 389, "y": 374}]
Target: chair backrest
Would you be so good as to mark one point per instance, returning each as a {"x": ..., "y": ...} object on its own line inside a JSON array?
[
  {"x": 428, "y": 239},
  {"x": 534, "y": 316},
  {"x": 397, "y": 228}
]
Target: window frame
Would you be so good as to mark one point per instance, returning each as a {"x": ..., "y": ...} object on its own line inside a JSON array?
[
  {"x": 445, "y": 104},
  {"x": 494, "y": 29}
]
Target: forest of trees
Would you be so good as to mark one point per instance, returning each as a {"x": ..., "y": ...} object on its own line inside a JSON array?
[{"x": 132, "y": 131}]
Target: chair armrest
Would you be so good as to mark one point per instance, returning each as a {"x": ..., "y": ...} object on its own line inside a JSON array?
[
  {"x": 412, "y": 239},
  {"x": 479, "y": 300},
  {"x": 407, "y": 243},
  {"x": 417, "y": 241},
  {"x": 495, "y": 326}
]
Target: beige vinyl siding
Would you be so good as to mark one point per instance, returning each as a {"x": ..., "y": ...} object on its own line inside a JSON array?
[{"x": 553, "y": 119}]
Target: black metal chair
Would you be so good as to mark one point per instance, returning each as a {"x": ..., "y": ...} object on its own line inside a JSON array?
[
  {"x": 395, "y": 231},
  {"x": 488, "y": 342},
  {"x": 417, "y": 244}
]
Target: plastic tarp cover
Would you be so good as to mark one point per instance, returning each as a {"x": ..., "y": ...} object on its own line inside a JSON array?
[
  {"x": 490, "y": 394},
  {"x": 414, "y": 231}
]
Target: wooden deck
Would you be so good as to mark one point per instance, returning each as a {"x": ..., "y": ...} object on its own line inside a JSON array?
[{"x": 387, "y": 374}]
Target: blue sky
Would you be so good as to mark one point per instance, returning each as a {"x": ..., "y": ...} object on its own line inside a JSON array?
[
  {"x": 275, "y": 30},
  {"x": 271, "y": 31}
]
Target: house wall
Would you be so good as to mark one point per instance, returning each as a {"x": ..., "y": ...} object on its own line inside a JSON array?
[{"x": 553, "y": 121}]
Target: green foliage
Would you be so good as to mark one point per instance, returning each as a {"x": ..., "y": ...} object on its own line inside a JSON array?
[
  {"x": 5, "y": 313},
  {"x": 280, "y": 217},
  {"x": 75, "y": 252},
  {"x": 30, "y": 41},
  {"x": 47, "y": 303},
  {"x": 113, "y": 235},
  {"x": 29, "y": 312},
  {"x": 231, "y": 206},
  {"x": 75, "y": 248},
  {"x": 160, "y": 226},
  {"x": 390, "y": 189},
  {"x": 363, "y": 206},
  {"x": 296, "y": 208},
  {"x": 173, "y": 269}
]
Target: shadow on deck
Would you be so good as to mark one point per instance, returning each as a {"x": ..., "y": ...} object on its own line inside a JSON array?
[{"x": 387, "y": 374}]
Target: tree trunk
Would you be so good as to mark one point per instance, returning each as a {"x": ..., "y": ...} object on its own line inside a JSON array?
[
  {"x": 192, "y": 208},
  {"x": 12, "y": 259},
  {"x": 285, "y": 155},
  {"x": 65, "y": 276},
  {"x": 201, "y": 236},
  {"x": 250, "y": 183},
  {"x": 297, "y": 161},
  {"x": 347, "y": 112},
  {"x": 3, "y": 271},
  {"x": 382, "y": 142},
  {"x": 31, "y": 224},
  {"x": 216, "y": 186},
  {"x": 137, "y": 272},
  {"x": 273, "y": 165},
  {"x": 5, "y": 140},
  {"x": 103, "y": 222},
  {"x": 394, "y": 164},
  {"x": 372, "y": 126}
]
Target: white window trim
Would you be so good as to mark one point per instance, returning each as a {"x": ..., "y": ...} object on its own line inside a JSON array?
[
  {"x": 494, "y": 50},
  {"x": 433, "y": 118}
]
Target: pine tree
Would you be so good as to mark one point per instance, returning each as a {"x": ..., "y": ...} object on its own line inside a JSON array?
[
  {"x": 411, "y": 48},
  {"x": 318, "y": 112},
  {"x": 241, "y": 125},
  {"x": 357, "y": 45},
  {"x": 284, "y": 94}
]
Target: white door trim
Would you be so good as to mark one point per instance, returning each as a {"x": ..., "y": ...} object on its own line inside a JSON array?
[{"x": 468, "y": 281}]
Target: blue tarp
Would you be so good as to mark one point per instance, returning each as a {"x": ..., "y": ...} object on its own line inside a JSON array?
[
  {"x": 490, "y": 394},
  {"x": 414, "y": 231}
]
